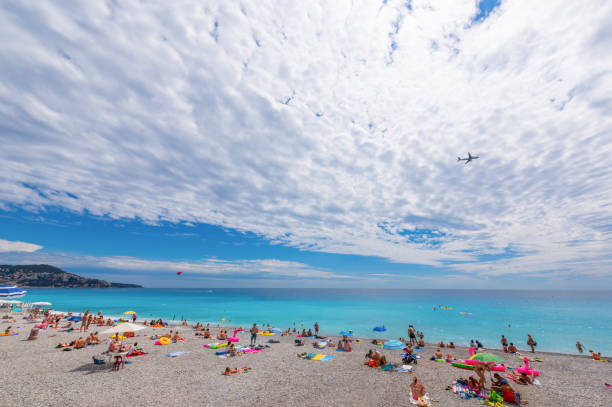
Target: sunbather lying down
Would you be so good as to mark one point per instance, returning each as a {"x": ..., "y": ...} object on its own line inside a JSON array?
[{"x": 229, "y": 371}]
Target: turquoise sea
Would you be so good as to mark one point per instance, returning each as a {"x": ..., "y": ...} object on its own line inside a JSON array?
[{"x": 556, "y": 319}]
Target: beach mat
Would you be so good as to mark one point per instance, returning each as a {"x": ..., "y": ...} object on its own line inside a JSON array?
[
  {"x": 11, "y": 334},
  {"x": 133, "y": 356}
]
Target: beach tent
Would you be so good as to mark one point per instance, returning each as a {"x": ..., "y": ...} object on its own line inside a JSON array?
[
  {"x": 125, "y": 327},
  {"x": 393, "y": 344},
  {"x": 276, "y": 331},
  {"x": 380, "y": 329},
  {"x": 8, "y": 291},
  {"x": 346, "y": 333}
]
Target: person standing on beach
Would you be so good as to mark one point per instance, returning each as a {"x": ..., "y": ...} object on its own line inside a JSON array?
[
  {"x": 411, "y": 335},
  {"x": 316, "y": 327},
  {"x": 254, "y": 332},
  {"x": 504, "y": 341},
  {"x": 531, "y": 343}
]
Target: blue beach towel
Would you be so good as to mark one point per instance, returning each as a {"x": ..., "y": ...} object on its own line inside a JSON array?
[{"x": 175, "y": 354}]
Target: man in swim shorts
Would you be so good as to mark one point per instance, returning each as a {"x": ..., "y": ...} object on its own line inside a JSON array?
[
  {"x": 254, "y": 331},
  {"x": 412, "y": 335}
]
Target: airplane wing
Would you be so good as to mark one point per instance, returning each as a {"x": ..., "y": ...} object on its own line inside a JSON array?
[{"x": 467, "y": 161}]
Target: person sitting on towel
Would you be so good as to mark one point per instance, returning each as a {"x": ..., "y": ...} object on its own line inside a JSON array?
[
  {"x": 450, "y": 358},
  {"x": 177, "y": 337},
  {"x": 496, "y": 382},
  {"x": 331, "y": 343},
  {"x": 438, "y": 354},
  {"x": 134, "y": 350},
  {"x": 417, "y": 388},
  {"x": 114, "y": 346},
  {"x": 509, "y": 394}
]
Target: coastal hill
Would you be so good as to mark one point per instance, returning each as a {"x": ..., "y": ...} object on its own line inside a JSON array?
[{"x": 43, "y": 275}]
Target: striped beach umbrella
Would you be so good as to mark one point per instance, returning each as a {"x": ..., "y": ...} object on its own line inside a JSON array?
[{"x": 11, "y": 291}]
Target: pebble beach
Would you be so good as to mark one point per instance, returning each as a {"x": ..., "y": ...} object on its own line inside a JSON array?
[{"x": 35, "y": 373}]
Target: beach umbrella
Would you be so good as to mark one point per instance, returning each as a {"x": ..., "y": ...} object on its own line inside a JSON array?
[
  {"x": 41, "y": 303},
  {"x": 487, "y": 357},
  {"x": 75, "y": 318},
  {"x": 276, "y": 330},
  {"x": 8, "y": 291},
  {"x": 393, "y": 344},
  {"x": 129, "y": 313},
  {"x": 10, "y": 302},
  {"x": 346, "y": 333},
  {"x": 380, "y": 329},
  {"x": 125, "y": 327}
]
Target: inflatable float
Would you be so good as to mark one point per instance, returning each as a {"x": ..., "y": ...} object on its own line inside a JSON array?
[
  {"x": 525, "y": 369},
  {"x": 462, "y": 366},
  {"x": 234, "y": 338},
  {"x": 163, "y": 341}
]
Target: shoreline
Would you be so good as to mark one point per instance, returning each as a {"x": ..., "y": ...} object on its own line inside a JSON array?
[{"x": 213, "y": 325}]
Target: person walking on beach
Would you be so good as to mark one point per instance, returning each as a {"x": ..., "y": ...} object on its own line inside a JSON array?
[
  {"x": 316, "y": 327},
  {"x": 531, "y": 343},
  {"x": 579, "y": 347},
  {"x": 254, "y": 332}
]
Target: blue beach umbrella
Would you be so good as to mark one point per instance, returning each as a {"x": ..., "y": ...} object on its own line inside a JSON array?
[
  {"x": 8, "y": 291},
  {"x": 346, "y": 333},
  {"x": 380, "y": 329},
  {"x": 276, "y": 330},
  {"x": 393, "y": 344}
]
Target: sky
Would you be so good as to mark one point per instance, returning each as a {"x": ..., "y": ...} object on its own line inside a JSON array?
[{"x": 309, "y": 143}]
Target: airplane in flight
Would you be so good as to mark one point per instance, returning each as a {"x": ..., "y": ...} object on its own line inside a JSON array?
[{"x": 470, "y": 158}]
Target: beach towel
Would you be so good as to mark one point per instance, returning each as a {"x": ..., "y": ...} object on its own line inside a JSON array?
[
  {"x": 321, "y": 358},
  {"x": 9, "y": 334},
  {"x": 133, "y": 356},
  {"x": 175, "y": 354},
  {"x": 425, "y": 397}
]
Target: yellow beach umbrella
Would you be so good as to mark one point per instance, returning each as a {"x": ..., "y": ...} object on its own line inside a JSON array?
[{"x": 128, "y": 313}]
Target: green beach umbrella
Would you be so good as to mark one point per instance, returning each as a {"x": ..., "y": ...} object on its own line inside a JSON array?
[{"x": 487, "y": 357}]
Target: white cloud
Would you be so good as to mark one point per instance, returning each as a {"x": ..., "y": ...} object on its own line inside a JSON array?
[
  {"x": 7, "y": 246},
  {"x": 225, "y": 269},
  {"x": 314, "y": 124}
]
